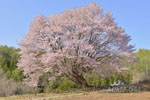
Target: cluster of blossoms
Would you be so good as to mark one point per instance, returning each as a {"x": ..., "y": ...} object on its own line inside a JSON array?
[{"x": 72, "y": 43}]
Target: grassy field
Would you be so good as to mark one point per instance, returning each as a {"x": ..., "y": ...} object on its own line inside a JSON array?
[{"x": 83, "y": 96}]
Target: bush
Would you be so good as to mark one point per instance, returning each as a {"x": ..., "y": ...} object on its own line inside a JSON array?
[
  {"x": 63, "y": 85},
  {"x": 107, "y": 81}
]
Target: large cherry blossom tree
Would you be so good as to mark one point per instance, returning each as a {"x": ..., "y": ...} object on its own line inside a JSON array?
[{"x": 73, "y": 43}]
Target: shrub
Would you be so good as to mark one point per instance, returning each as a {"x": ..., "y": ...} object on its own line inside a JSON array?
[
  {"x": 63, "y": 85},
  {"x": 60, "y": 85},
  {"x": 107, "y": 81}
]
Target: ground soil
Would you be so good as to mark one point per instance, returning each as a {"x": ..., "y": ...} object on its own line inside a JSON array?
[{"x": 84, "y": 96}]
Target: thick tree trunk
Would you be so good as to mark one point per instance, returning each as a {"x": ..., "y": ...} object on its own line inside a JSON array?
[
  {"x": 81, "y": 82},
  {"x": 74, "y": 73}
]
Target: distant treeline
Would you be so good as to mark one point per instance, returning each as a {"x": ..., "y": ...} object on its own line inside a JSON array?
[{"x": 8, "y": 59}]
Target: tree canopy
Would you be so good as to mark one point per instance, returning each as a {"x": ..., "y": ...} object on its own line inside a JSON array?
[
  {"x": 73, "y": 43},
  {"x": 141, "y": 69},
  {"x": 8, "y": 59}
]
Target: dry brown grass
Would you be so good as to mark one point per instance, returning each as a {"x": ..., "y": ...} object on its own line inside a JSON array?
[
  {"x": 84, "y": 96},
  {"x": 9, "y": 87},
  {"x": 112, "y": 96}
]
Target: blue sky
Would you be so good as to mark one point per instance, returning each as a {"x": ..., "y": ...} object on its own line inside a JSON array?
[{"x": 16, "y": 16}]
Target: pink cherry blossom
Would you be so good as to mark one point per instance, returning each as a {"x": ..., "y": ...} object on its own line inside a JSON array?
[{"x": 73, "y": 43}]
